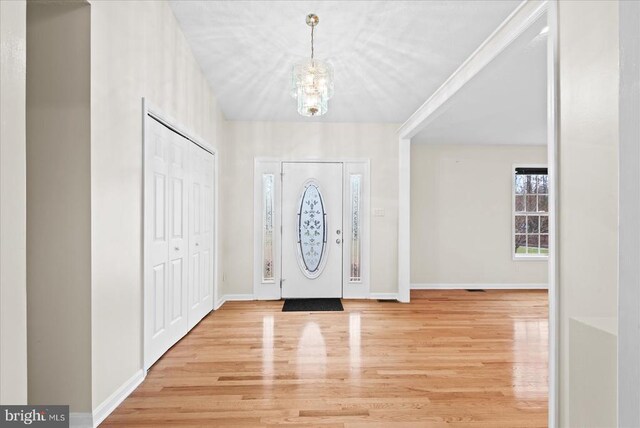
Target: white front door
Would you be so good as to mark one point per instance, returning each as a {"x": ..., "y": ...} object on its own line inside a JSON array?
[{"x": 311, "y": 229}]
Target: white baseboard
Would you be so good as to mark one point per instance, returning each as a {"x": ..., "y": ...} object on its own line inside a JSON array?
[
  {"x": 109, "y": 405},
  {"x": 534, "y": 286},
  {"x": 232, "y": 297},
  {"x": 244, "y": 297},
  {"x": 80, "y": 420},
  {"x": 384, "y": 296},
  {"x": 355, "y": 291},
  {"x": 219, "y": 303}
]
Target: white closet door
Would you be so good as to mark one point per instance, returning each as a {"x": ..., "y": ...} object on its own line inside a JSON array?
[
  {"x": 178, "y": 238},
  {"x": 165, "y": 295},
  {"x": 201, "y": 213}
]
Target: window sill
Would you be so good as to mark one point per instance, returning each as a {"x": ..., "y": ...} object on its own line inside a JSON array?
[{"x": 530, "y": 258}]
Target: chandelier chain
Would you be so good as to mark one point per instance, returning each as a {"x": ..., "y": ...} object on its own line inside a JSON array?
[{"x": 312, "y": 28}]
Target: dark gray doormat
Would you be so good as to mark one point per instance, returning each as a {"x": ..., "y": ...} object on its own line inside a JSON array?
[{"x": 312, "y": 305}]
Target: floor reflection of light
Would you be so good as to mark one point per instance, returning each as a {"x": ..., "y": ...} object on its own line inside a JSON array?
[
  {"x": 267, "y": 345},
  {"x": 312, "y": 352},
  {"x": 354, "y": 343},
  {"x": 529, "y": 372}
]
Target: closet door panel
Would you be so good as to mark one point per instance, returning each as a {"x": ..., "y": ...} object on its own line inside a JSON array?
[
  {"x": 194, "y": 286},
  {"x": 195, "y": 215},
  {"x": 165, "y": 249},
  {"x": 200, "y": 235},
  {"x": 178, "y": 246}
]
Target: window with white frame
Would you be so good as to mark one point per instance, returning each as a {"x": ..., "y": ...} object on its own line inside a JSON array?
[{"x": 530, "y": 212}]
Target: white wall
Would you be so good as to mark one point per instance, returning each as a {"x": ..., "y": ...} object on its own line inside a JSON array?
[
  {"x": 137, "y": 50},
  {"x": 461, "y": 209},
  {"x": 629, "y": 291},
  {"x": 13, "y": 282},
  {"x": 592, "y": 373},
  {"x": 300, "y": 140},
  {"x": 588, "y": 178},
  {"x": 58, "y": 202}
]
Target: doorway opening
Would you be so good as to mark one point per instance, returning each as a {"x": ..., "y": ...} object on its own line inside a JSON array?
[{"x": 529, "y": 33}]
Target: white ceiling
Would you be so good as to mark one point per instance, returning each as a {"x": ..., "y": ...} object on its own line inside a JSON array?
[
  {"x": 389, "y": 56},
  {"x": 506, "y": 103}
]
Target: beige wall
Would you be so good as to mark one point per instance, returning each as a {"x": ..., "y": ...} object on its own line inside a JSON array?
[
  {"x": 13, "y": 285},
  {"x": 58, "y": 204},
  {"x": 588, "y": 61},
  {"x": 137, "y": 51},
  {"x": 461, "y": 209},
  {"x": 299, "y": 140}
]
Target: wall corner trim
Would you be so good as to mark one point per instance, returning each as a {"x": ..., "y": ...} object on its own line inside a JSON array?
[
  {"x": 219, "y": 303},
  {"x": 109, "y": 405}
]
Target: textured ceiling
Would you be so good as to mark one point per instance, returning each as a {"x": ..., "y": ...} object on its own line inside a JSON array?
[
  {"x": 389, "y": 56},
  {"x": 506, "y": 103}
]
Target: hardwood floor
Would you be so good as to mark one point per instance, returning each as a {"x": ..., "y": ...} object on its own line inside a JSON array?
[{"x": 449, "y": 358}]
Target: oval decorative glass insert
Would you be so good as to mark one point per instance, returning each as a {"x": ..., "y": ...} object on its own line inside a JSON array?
[{"x": 312, "y": 228}]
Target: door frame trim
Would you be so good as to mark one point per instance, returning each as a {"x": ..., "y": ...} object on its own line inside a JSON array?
[
  {"x": 152, "y": 111},
  {"x": 271, "y": 290}
]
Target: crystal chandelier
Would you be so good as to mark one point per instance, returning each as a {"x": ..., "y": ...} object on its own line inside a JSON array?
[{"x": 312, "y": 80}]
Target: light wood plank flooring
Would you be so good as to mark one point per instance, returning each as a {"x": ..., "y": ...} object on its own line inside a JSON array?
[{"x": 449, "y": 358}]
